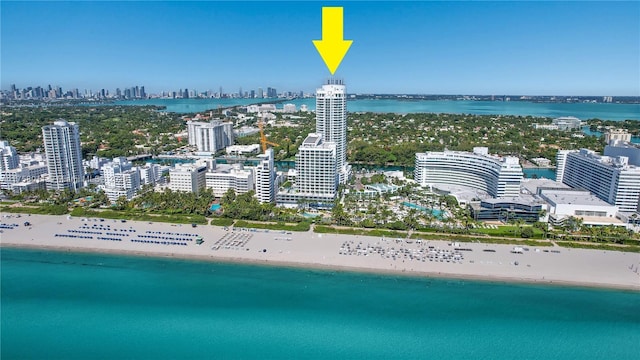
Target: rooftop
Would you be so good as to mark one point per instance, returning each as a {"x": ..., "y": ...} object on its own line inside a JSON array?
[
  {"x": 555, "y": 197},
  {"x": 531, "y": 186}
]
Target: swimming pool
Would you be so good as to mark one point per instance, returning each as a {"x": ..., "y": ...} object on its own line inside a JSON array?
[{"x": 436, "y": 212}]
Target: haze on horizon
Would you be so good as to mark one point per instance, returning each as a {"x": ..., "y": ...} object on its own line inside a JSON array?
[{"x": 525, "y": 48}]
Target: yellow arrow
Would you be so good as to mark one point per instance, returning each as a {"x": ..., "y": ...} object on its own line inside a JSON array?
[{"x": 333, "y": 47}]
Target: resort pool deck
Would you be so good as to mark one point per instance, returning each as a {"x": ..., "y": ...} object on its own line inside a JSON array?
[{"x": 437, "y": 213}]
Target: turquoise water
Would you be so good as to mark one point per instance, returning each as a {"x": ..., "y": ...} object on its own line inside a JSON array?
[
  {"x": 437, "y": 213},
  {"x": 78, "y": 306},
  {"x": 580, "y": 110},
  {"x": 215, "y": 207}
]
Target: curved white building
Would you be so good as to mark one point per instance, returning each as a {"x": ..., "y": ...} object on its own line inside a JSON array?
[{"x": 498, "y": 176}]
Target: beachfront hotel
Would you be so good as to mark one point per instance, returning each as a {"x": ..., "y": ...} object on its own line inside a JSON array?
[
  {"x": 331, "y": 122},
  {"x": 224, "y": 177},
  {"x": 121, "y": 178},
  {"x": 64, "y": 155},
  {"x": 188, "y": 177},
  {"x": 321, "y": 161},
  {"x": 497, "y": 176},
  {"x": 316, "y": 169},
  {"x": 612, "y": 179}
]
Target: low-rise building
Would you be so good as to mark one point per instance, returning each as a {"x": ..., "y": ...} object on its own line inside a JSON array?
[
  {"x": 566, "y": 123},
  {"x": 225, "y": 177},
  {"x": 525, "y": 208},
  {"x": 579, "y": 204},
  {"x": 617, "y": 135}
]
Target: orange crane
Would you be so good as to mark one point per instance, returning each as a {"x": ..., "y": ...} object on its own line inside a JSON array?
[{"x": 263, "y": 138}]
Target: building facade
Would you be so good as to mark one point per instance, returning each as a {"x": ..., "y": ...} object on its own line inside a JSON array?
[
  {"x": 499, "y": 177},
  {"x": 266, "y": 178},
  {"x": 121, "y": 178},
  {"x": 561, "y": 159},
  {"x": 187, "y": 177},
  {"x": 229, "y": 177},
  {"x": 316, "y": 168},
  {"x": 611, "y": 179},
  {"x": 331, "y": 122},
  {"x": 210, "y": 137},
  {"x": 8, "y": 156},
  {"x": 617, "y": 135},
  {"x": 566, "y": 123},
  {"x": 64, "y": 155}
]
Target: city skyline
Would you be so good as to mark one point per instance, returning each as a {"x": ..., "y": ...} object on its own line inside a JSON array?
[{"x": 421, "y": 48}]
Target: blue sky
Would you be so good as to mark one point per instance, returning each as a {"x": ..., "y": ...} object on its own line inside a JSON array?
[{"x": 537, "y": 48}]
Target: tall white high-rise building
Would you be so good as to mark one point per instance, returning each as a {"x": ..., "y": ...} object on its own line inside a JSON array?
[
  {"x": 561, "y": 159},
  {"x": 316, "y": 175},
  {"x": 612, "y": 179},
  {"x": 8, "y": 156},
  {"x": 64, "y": 155},
  {"x": 331, "y": 122},
  {"x": 265, "y": 177},
  {"x": 210, "y": 137}
]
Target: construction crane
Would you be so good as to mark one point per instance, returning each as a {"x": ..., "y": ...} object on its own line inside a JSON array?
[{"x": 263, "y": 138}]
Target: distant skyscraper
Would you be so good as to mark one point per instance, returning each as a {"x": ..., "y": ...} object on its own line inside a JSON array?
[
  {"x": 64, "y": 155},
  {"x": 260, "y": 93},
  {"x": 240, "y": 93},
  {"x": 331, "y": 122}
]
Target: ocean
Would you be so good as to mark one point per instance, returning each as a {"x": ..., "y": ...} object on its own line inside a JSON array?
[
  {"x": 583, "y": 111},
  {"x": 58, "y": 305}
]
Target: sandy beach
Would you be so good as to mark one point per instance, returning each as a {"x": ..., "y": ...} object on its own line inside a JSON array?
[{"x": 545, "y": 265}]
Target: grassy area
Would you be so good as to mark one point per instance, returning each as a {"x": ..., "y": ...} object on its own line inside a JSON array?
[
  {"x": 122, "y": 215},
  {"x": 222, "y": 221},
  {"x": 569, "y": 244},
  {"x": 40, "y": 210},
  {"x": 301, "y": 226},
  {"x": 482, "y": 239},
  {"x": 508, "y": 231},
  {"x": 358, "y": 231}
]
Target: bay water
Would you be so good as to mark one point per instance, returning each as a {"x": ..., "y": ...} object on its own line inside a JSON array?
[
  {"x": 584, "y": 111},
  {"x": 58, "y": 305}
]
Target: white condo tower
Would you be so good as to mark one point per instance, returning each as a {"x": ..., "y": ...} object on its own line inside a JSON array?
[
  {"x": 64, "y": 155},
  {"x": 331, "y": 122}
]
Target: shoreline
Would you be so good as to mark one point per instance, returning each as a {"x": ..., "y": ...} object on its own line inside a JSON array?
[
  {"x": 322, "y": 267},
  {"x": 307, "y": 250}
]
